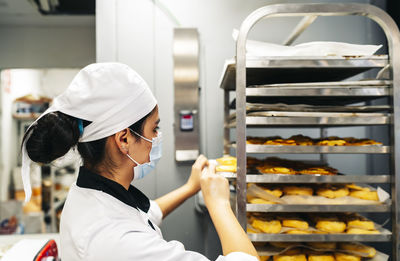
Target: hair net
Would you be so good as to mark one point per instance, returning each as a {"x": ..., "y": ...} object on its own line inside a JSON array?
[{"x": 111, "y": 96}]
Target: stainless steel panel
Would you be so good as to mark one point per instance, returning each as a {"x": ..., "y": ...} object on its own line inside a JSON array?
[
  {"x": 317, "y": 208},
  {"x": 385, "y": 236},
  {"x": 372, "y": 149},
  {"x": 186, "y": 81}
]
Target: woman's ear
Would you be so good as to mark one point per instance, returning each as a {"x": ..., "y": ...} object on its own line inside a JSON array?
[{"x": 122, "y": 139}]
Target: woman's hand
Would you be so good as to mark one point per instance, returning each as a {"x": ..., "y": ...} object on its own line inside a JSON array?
[
  {"x": 193, "y": 182},
  {"x": 215, "y": 189}
]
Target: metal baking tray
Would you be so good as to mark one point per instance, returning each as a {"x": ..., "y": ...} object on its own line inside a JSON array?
[
  {"x": 364, "y": 88},
  {"x": 317, "y": 208},
  {"x": 264, "y": 70},
  {"x": 276, "y": 119},
  {"x": 384, "y": 236},
  {"x": 282, "y": 149},
  {"x": 305, "y": 179}
]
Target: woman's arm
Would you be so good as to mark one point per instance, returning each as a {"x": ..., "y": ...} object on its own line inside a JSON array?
[
  {"x": 233, "y": 238},
  {"x": 175, "y": 198}
]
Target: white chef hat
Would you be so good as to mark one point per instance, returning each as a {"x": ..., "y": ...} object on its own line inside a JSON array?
[{"x": 111, "y": 96}]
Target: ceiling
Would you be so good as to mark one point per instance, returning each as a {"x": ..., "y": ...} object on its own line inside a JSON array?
[{"x": 23, "y": 13}]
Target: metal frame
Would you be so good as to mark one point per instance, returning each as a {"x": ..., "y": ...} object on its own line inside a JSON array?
[{"x": 243, "y": 62}]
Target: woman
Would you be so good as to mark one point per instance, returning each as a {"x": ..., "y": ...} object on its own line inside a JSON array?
[{"x": 110, "y": 115}]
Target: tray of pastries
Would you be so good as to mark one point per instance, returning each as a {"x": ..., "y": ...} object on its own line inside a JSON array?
[
  {"x": 339, "y": 224},
  {"x": 300, "y": 140},
  {"x": 318, "y": 251},
  {"x": 315, "y": 194}
]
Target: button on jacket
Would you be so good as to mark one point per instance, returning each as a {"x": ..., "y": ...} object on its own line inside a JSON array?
[{"x": 101, "y": 220}]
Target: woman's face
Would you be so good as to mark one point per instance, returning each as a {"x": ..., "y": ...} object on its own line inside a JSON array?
[{"x": 140, "y": 150}]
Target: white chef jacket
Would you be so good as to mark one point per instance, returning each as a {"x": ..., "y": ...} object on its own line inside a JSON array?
[{"x": 101, "y": 220}]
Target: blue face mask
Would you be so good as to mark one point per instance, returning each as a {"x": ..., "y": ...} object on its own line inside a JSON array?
[{"x": 141, "y": 170}]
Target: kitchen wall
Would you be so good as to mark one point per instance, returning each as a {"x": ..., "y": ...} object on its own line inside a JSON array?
[{"x": 140, "y": 33}]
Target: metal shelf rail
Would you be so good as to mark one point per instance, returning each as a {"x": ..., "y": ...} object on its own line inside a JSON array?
[{"x": 247, "y": 71}]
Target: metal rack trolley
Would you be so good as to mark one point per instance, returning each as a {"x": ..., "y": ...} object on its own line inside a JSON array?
[{"x": 248, "y": 71}]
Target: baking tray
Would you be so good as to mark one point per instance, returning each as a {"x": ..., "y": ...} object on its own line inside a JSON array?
[
  {"x": 363, "y": 88},
  {"x": 264, "y": 70},
  {"x": 385, "y": 207},
  {"x": 308, "y": 179},
  {"x": 385, "y": 236},
  {"x": 367, "y": 149}
]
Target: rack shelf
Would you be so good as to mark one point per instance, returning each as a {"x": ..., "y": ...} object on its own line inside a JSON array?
[
  {"x": 384, "y": 236},
  {"x": 306, "y": 179},
  {"x": 317, "y": 208}
]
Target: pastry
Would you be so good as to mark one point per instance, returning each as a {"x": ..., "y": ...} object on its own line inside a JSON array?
[
  {"x": 333, "y": 192},
  {"x": 276, "y": 170},
  {"x": 370, "y": 251},
  {"x": 269, "y": 227},
  {"x": 321, "y": 257},
  {"x": 331, "y": 225},
  {"x": 355, "y": 187},
  {"x": 317, "y": 170},
  {"x": 227, "y": 160},
  {"x": 255, "y": 140},
  {"x": 365, "y": 194},
  {"x": 331, "y": 143},
  {"x": 322, "y": 245},
  {"x": 225, "y": 168},
  {"x": 295, "y": 190},
  {"x": 260, "y": 201},
  {"x": 285, "y": 142},
  {"x": 302, "y": 140},
  {"x": 251, "y": 230},
  {"x": 362, "y": 231},
  {"x": 264, "y": 258},
  {"x": 295, "y": 223},
  {"x": 363, "y": 224},
  {"x": 297, "y": 231},
  {"x": 284, "y": 257},
  {"x": 274, "y": 192},
  {"x": 346, "y": 257}
]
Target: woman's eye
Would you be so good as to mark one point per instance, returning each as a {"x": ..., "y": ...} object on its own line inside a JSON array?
[{"x": 156, "y": 129}]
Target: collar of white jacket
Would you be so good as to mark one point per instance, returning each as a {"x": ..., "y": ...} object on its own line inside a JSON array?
[{"x": 112, "y": 96}]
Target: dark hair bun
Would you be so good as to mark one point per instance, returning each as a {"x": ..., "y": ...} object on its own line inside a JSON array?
[{"x": 52, "y": 137}]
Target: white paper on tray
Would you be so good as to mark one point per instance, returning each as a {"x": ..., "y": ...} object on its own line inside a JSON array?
[
  {"x": 257, "y": 48},
  {"x": 257, "y": 192},
  {"x": 382, "y": 195}
]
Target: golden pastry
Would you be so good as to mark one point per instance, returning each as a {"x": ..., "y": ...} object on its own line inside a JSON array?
[
  {"x": 362, "y": 231},
  {"x": 322, "y": 245},
  {"x": 285, "y": 142},
  {"x": 295, "y": 223},
  {"x": 251, "y": 230},
  {"x": 333, "y": 192},
  {"x": 297, "y": 231},
  {"x": 365, "y": 194},
  {"x": 346, "y": 257},
  {"x": 302, "y": 140},
  {"x": 355, "y": 187},
  {"x": 331, "y": 226},
  {"x": 321, "y": 257},
  {"x": 331, "y": 143},
  {"x": 225, "y": 168},
  {"x": 274, "y": 192},
  {"x": 295, "y": 190},
  {"x": 264, "y": 258},
  {"x": 283, "y": 257},
  {"x": 227, "y": 160},
  {"x": 260, "y": 201},
  {"x": 269, "y": 227},
  {"x": 316, "y": 170},
  {"x": 370, "y": 251},
  {"x": 363, "y": 224},
  {"x": 276, "y": 170}
]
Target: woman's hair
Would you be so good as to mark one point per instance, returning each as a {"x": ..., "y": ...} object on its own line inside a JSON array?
[{"x": 53, "y": 135}]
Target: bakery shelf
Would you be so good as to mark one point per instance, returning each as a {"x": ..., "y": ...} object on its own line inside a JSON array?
[
  {"x": 384, "y": 236},
  {"x": 368, "y": 149},
  {"x": 375, "y": 88},
  {"x": 276, "y": 121},
  {"x": 304, "y": 179},
  {"x": 262, "y": 70},
  {"x": 317, "y": 208}
]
